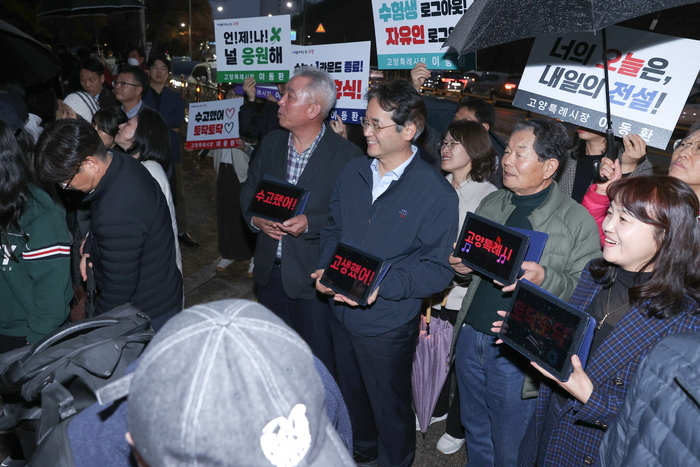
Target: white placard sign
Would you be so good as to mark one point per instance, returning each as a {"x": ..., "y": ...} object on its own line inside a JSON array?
[
  {"x": 412, "y": 31},
  {"x": 257, "y": 47},
  {"x": 214, "y": 125},
  {"x": 348, "y": 64},
  {"x": 650, "y": 77}
]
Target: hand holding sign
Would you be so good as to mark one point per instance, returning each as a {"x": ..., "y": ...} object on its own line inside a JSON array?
[
  {"x": 533, "y": 273},
  {"x": 249, "y": 88},
  {"x": 579, "y": 384},
  {"x": 419, "y": 74},
  {"x": 635, "y": 149},
  {"x": 295, "y": 226},
  {"x": 269, "y": 228},
  {"x": 336, "y": 296}
]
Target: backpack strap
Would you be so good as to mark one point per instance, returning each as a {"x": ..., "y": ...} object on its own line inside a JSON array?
[{"x": 57, "y": 404}]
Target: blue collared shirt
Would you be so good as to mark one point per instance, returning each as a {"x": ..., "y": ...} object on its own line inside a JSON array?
[
  {"x": 379, "y": 183},
  {"x": 134, "y": 111}
]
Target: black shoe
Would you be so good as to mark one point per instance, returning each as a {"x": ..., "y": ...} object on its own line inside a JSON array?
[
  {"x": 365, "y": 461},
  {"x": 10, "y": 462},
  {"x": 186, "y": 240}
]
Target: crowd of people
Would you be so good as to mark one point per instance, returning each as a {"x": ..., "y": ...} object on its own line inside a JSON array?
[{"x": 311, "y": 377}]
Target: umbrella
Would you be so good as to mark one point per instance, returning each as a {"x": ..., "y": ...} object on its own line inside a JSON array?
[
  {"x": 491, "y": 22},
  {"x": 87, "y": 7},
  {"x": 25, "y": 59},
  {"x": 430, "y": 366}
]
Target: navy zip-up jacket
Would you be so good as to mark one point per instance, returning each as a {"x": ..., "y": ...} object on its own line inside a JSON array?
[{"x": 412, "y": 225}]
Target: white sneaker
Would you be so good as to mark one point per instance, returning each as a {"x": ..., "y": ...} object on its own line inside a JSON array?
[
  {"x": 224, "y": 263},
  {"x": 448, "y": 444},
  {"x": 432, "y": 420}
]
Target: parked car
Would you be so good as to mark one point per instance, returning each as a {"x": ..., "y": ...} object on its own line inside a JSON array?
[
  {"x": 486, "y": 84},
  {"x": 180, "y": 70},
  {"x": 454, "y": 82},
  {"x": 201, "y": 85},
  {"x": 430, "y": 84},
  {"x": 691, "y": 110},
  {"x": 507, "y": 90}
]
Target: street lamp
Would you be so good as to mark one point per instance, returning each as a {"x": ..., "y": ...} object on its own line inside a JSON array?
[
  {"x": 220, "y": 8},
  {"x": 189, "y": 35},
  {"x": 303, "y": 19}
]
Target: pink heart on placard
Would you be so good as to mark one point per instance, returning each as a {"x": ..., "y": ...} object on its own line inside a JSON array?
[
  {"x": 229, "y": 127},
  {"x": 230, "y": 113}
]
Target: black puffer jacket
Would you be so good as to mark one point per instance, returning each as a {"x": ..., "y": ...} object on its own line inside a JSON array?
[
  {"x": 659, "y": 425},
  {"x": 131, "y": 242}
]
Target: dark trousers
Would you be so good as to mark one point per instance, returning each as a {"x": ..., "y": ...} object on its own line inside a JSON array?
[
  {"x": 374, "y": 376},
  {"x": 236, "y": 240},
  {"x": 309, "y": 318},
  {"x": 177, "y": 184}
]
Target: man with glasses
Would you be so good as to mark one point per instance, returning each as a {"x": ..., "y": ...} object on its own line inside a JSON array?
[
  {"x": 398, "y": 207},
  {"x": 310, "y": 155},
  {"x": 130, "y": 242},
  {"x": 129, "y": 87},
  {"x": 685, "y": 161}
]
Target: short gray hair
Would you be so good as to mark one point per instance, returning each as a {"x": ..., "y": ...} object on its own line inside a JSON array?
[{"x": 321, "y": 85}]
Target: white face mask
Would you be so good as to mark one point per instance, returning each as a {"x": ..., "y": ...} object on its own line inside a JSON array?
[{"x": 133, "y": 62}]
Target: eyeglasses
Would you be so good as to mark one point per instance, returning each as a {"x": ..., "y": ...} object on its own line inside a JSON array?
[
  {"x": 66, "y": 185},
  {"x": 682, "y": 144},
  {"x": 366, "y": 124},
  {"x": 449, "y": 144},
  {"x": 117, "y": 84}
]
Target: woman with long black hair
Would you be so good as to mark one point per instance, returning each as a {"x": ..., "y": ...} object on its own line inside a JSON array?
[{"x": 35, "y": 282}]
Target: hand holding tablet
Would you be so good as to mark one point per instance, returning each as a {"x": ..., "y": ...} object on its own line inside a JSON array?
[{"x": 547, "y": 330}]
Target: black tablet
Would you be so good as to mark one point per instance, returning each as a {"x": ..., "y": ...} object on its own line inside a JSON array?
[
  {"x": 277, "y": 200},
  {"x": 491, "y": 248},
  {"x": 547, "y": 330},
  {"x": 354, "y": 273}
]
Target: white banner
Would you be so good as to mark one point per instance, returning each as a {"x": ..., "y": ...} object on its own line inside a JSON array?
[
  {"x": 650, "y": 78},
  {"x": 214, "y": 124},
  {"x": 257, "y": 47},
  {"x": 412, "y": 31},
  {"x": 348, "y": 64}
]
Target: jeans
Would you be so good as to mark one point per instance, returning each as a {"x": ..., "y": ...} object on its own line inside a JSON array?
[{"x": 495, "y": 417}]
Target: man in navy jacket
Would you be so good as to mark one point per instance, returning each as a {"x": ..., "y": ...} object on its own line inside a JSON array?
[{"x": 395, "y": 206}]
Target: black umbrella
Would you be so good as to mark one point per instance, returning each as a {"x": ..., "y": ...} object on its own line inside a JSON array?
[
  {"x": 491, "y": 22},
  {"x": 25, "y": 59},
  {"x": 87, "y": 7}
]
